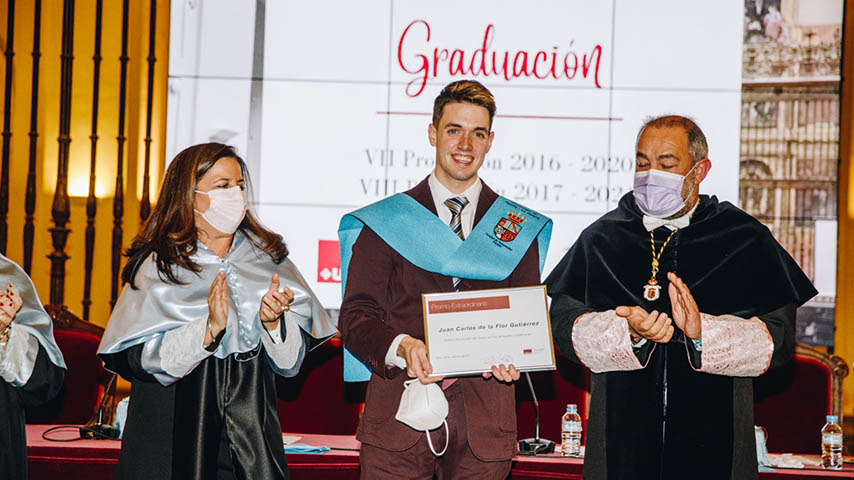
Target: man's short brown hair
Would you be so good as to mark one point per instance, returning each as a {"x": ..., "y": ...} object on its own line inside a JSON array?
[
  {"x": 467, "y": 91},
  {"x": 698, "y": 148}
]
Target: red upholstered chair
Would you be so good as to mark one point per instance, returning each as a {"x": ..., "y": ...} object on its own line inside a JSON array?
[
  {"x": 81, "y": 390},
  {"x": 317, "y": 400},
  {"x": 569, "y": 383},
  {"x": 791, "y": 401}
]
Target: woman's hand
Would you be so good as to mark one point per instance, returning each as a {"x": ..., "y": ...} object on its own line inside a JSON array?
[
  {"x": 10, "y": 303},
  {"x": 217, "y": 308},
  {"x": 274, "y": 303}
]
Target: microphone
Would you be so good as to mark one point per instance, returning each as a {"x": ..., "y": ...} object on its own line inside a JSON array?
[{"x": 533, "y": 446}]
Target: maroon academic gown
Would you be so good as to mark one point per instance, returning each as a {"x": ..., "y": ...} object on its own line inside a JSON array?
[{"x": 382, "y": 299}]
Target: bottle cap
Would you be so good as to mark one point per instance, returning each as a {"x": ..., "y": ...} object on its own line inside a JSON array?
[
  {"x": 832, "y": 419},
  {"x": 572, "y": 408}
]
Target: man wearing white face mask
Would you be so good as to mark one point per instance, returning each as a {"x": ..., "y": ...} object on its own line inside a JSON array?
[{"x": 674, "y": 300}]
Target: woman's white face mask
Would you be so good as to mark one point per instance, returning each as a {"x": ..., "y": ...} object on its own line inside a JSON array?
[{"x": 226, "y": 210}]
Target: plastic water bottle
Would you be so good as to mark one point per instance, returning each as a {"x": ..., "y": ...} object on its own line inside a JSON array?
[
  {"x": 570, "y": 432},
  {"x": 831, "y": 444}
]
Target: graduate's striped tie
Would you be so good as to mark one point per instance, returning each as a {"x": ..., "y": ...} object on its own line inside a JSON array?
[{"x": 456, "y": 205}]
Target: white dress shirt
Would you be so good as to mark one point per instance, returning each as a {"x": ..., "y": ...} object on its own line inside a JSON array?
[
  {"x": 651, "y": 223},
  {"x": 441, "y": 193}
]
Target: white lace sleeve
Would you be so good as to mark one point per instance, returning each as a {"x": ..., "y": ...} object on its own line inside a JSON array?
[
  {"x": 601, "y": 341},
  {"x": 176, "y": 353},
  {"x": 735, "y": 346},
  {"x": 18, "y": 357}
]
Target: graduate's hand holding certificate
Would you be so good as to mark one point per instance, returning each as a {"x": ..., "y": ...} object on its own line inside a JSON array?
[
  {"x": 503, "y": 373},
  {"x": 418, "y": 365},
  {"x": 417, "y": 361}
]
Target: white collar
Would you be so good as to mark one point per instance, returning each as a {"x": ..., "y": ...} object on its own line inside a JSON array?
[
  {"x": 651, "y": 223},
  {"x": 441, "y": 192}
]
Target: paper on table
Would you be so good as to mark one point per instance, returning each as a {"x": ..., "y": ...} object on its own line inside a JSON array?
[
  {"x": 290, "y": 439},
  {"x": 787, "y": 460}
]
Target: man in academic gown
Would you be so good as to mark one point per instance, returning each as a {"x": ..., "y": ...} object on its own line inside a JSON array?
[
  {"x": 674, "y": 300},
  {"x": 381, "y": 317},
  {"x": 31, "y": 365}
]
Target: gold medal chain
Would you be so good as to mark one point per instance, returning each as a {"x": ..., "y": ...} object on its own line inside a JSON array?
[{"x": 657, "y": 256}]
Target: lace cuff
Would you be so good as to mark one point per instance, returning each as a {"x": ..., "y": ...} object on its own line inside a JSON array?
[
  {"x": 601, "y": 341},
  {"x": 735, "y": 346},
  {"x": 182, "y": 348},
  {"x": 18, "y": 356}
]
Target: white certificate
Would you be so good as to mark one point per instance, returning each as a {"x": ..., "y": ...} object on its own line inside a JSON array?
[{"x": 468, "y": 332}]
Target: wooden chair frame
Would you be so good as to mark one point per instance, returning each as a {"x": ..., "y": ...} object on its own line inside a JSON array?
[
  {"x": 838, "y": 372},
  {"x": 64, "y": 319}
]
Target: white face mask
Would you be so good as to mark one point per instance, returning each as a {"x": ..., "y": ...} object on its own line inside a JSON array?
[
  {"x": 424, "y": 407},
  {"x": 226, "y": 210},
  {"x": 659, "y": 194}
]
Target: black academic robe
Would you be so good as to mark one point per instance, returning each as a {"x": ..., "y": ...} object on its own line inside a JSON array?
[
  {"x": 220, "y": 419},
  {"x": 44, "y": 383},
  {"x": 667, "y": 420},
  {"x": 224, "y": 409}
]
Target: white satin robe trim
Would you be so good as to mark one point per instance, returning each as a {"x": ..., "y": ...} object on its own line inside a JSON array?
[{"x": 286, "y": 355}]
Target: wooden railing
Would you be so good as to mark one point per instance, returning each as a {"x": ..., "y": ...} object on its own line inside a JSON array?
[{"x": 132, "y": 25}]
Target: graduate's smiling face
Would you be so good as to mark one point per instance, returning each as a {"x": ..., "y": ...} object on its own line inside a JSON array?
[
  {"x": 666, "y": 149},
  {"x": 462, "y": 140}
]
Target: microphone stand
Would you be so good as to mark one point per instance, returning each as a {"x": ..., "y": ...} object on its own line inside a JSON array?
[
  {"x": 98, "y": 427},
  {"x": 533, "y": 446}
]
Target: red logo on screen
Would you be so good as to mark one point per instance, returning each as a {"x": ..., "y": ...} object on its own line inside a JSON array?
[
  {"x": 328, "y": 261},
  {"x": 482, "y": 61}
]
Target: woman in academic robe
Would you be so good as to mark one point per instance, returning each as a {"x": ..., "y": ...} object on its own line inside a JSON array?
[
  {"x": 31, "y": 365},
  {"x": 211, "y": 310}
]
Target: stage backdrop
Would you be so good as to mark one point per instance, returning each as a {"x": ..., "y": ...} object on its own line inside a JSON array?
[{"x": 329, "y": 101}]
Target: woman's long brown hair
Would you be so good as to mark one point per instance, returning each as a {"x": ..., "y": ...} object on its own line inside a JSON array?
[{"x": 170, "y": 232}]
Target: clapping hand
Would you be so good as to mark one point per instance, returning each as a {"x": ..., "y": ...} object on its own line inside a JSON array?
[
  {"x": 217, "y": 307},
  {"x": 686, "y": 315},
  {"x": 10, "y": 303},
  {"x": 652, "y": 326},
  {"x": 274, "y": 303}
]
